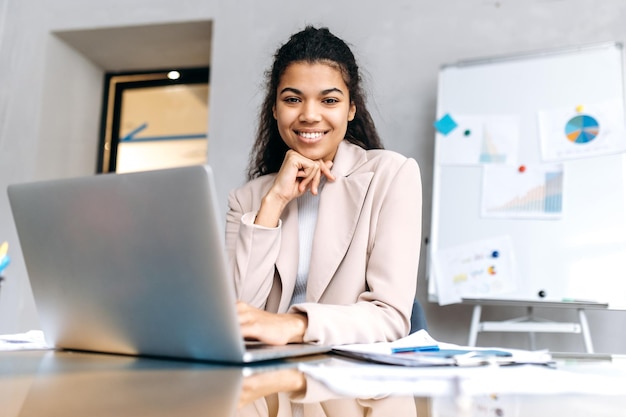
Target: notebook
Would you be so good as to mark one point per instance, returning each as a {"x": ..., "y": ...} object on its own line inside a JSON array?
[{"x": 134, "y": 264}]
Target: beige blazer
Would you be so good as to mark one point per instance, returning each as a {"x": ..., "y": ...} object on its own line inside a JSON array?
[{"x": 363, "y": 274}]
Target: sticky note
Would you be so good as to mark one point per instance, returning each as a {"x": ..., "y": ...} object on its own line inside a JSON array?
[{"x": 445, "y": 125}]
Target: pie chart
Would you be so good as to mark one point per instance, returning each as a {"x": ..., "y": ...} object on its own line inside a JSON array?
[{"x": 582, "y": 129}]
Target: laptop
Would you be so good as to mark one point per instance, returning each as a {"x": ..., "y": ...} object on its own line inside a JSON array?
[{"x": 135, "y": 264}]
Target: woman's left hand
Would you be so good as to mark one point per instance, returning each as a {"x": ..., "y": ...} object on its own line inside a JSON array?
[{"x": 271, "y": 328}]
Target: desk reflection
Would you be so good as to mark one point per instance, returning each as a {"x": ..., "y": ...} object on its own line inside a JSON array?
[
  {"x": 68, "y": 384},
  {"x": 63, "y": 384},
  {"x": 290, "y": 393}
]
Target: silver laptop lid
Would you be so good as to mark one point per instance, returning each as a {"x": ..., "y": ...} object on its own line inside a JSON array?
[{"x": 130, "y": 263}]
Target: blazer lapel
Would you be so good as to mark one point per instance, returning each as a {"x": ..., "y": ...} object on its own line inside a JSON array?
[
  {"x": 341, "y": 202},
  {"x": 287, "y": 261}
]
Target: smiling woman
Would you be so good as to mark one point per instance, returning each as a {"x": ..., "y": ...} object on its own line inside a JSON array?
[{"x": 324, "y": 239}]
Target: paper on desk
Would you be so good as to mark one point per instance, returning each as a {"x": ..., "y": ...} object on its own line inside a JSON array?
[
  {"x": 450, "y": 354},
  {"x": 31, "y": 340},
  {"x": 419, "y": 338}
]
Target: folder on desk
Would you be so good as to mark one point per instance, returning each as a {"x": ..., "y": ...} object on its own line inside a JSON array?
[
  {"x": 443, "y": 357},
  {"x": 407, "y": 352}
]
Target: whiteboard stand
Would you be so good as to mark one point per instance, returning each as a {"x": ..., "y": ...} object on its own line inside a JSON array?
[{"x": 530, "y": 323}]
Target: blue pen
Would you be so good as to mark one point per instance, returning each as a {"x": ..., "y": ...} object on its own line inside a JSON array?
[{"x": 405, "y": 349}]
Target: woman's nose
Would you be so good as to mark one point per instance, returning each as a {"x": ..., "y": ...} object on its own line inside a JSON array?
[{"x": 310, "y": 113}]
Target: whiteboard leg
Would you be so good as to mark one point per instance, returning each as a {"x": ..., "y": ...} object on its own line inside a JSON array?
[
  {"x": 531, "y": 335},
  {"x": 474, "y": 326},
  {"x": 531, "y": 340},
  {"x": 584, "y": 325}
]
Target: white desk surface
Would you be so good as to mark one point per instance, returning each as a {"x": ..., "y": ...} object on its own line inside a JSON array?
[{"x": 49, "y": 383}]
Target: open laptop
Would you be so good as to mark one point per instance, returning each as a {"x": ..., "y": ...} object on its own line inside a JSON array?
[{"x": 134, "y": 264}]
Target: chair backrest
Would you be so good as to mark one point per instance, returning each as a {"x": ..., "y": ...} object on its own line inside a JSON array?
[{"x": 418, "y": 318}]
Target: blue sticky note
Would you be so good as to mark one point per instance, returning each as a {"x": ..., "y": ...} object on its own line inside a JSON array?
[{"x": 445, "y": 125}]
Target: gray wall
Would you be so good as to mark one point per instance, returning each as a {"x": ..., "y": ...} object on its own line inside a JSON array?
[{"x": 50, "y": 96}]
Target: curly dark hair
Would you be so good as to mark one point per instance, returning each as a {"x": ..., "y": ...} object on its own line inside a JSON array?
[{"x": 311, "y": 45}]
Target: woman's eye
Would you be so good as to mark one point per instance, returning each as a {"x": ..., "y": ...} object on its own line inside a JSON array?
[
  {"x": 291, "y": 100},
  {"x": 330, "y": 100}
]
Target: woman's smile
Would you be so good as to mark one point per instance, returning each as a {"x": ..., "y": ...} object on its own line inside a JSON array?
[{"x": 311, "y": 137}]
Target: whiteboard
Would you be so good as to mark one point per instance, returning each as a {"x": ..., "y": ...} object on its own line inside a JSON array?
[{"x": 581, "y": 253}]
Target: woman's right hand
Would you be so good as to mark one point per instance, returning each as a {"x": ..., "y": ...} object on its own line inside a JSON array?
[
  {"x": 271, "y": 328},
  {"x": 296, "y": 176}
]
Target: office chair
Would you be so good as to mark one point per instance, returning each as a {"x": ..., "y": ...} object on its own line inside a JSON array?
[{"x": 418, "y": 318}]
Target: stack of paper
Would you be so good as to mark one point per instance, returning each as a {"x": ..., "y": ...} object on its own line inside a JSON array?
[{"x": 31, "y": 340}]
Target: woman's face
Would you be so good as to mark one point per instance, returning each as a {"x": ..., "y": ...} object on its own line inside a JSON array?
[{"x": 313, "y": 109}]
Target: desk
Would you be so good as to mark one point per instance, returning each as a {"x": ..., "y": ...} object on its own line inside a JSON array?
[{"x": 50, "y": 384}]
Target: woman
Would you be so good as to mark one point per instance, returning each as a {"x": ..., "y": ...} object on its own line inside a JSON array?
[{"x": 324, "y": 239}]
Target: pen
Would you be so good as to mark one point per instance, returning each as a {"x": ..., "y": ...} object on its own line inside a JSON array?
[
  {"x": 404, "y": 349},
  {"x": 4, "y": 262}
]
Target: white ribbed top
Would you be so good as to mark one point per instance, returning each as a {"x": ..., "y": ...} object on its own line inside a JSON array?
[{"x": 308, "y": 205}]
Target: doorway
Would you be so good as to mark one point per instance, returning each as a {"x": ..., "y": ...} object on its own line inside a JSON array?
[{"x": 154, "y": 120}]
